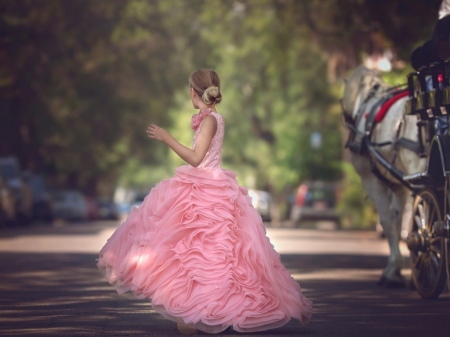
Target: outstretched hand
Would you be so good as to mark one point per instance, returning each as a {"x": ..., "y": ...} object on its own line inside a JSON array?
[
  {"x": 155, "y": 132},
  {"x": 193, "y": 156}
]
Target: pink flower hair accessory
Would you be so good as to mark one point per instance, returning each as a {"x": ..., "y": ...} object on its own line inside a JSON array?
[{"x": 197, "y": 118}]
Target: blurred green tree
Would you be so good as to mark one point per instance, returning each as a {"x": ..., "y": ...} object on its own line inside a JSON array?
[
  {"x": 275, "y": 95},
  {"x": 80, "y": 80},
  {"x": 55, "y": 87}
]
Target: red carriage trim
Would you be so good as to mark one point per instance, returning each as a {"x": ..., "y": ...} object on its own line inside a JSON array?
[{"x": 386, "y": 106}]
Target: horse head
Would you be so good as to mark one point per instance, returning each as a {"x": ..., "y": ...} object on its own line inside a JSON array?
[{"x": 357, "y": 89}]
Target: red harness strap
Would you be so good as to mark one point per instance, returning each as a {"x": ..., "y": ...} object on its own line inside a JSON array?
[{"x": 386, "y": 106}]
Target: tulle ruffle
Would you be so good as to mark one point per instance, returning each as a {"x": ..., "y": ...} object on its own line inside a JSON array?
[{"x": 197, "y": 248}]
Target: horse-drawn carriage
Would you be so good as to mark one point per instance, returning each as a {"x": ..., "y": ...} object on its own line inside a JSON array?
[
  {"x": 400, "y": 144},
  {"x": 428, "y": 240}
]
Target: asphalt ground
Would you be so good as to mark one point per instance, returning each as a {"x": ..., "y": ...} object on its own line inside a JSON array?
[{"x": 50, "y": 286}]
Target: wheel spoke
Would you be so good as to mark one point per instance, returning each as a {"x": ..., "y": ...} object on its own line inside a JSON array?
[
  {"x": 419, "y": 276},
  {"x": 418, "y": 222},
  {"x": 436, "y": 244},
  {"x": 435, "y": 250},
  {"x": 426, "y": 207},
  {"x": 432, "y": 272},
  {"x": 418, "y": 262},
  {"x": 423, "y": 274},
  {"x": 435, "y": 261},
  {"x": 426, "y": 269},
  {"x": 422, "y": 214},
  {"x": 431, "y": 217}
]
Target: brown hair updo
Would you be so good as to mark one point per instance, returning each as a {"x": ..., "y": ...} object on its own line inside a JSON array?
[{"x": 206, "y": 84}]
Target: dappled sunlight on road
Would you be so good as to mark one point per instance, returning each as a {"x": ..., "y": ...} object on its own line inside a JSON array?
[
  {"x": 65, "y": 294},
  {"x": 336, "y": 274},
  {"x": 68, "y": 238},
  {"x": 310, "y": 241},
  {"x": 51, "y": 287}
]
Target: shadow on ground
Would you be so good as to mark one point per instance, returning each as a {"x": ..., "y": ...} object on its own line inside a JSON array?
[
  {"x": 58, "y": 228},
  {"x": 65, "y": 295}
]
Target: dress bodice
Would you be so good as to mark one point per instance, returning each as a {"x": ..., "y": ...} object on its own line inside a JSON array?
[{"x": 214, "y": 155}]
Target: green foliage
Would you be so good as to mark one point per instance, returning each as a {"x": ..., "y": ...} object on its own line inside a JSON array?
[
  {"x": 80, "y": 81},
  {"x": 84, "y": 79},
  {"x": 397, "y": 77},
  {"x": 349, "y": 29},
  {"x": 272, "y": 102},
  {"x": 354, "y": 206}
]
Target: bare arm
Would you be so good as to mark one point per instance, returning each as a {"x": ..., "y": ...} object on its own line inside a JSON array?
[{"x": 192, "y": 157}]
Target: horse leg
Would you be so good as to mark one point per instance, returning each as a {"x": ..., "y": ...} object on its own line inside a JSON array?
[
  {"x": 392, "y": 274},
  {"x": 388, "y": 211}
]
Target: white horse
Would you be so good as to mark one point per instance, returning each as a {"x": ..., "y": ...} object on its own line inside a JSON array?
[{"x": 362, "y": 90}]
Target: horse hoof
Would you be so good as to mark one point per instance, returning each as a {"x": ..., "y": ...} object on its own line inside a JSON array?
[
  {"x": 386, "y": 283},
  {"x": 394, "y": 284},
  {"x": 381, "y": 281}
]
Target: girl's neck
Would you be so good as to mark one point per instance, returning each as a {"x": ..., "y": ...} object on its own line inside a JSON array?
[{"x": 206, "y": 106}]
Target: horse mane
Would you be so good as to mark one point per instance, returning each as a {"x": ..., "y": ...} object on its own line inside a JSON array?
[{"x": 362, "y": 78}]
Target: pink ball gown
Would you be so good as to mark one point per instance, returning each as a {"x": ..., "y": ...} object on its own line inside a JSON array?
[{"x": 198, "y": 250}]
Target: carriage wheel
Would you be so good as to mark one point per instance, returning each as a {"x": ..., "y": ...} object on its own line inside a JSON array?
[
  {"x": 427, "y": 252},
  {"x": 446, "y": 215}
]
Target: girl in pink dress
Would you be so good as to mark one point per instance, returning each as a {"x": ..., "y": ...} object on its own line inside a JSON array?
[{"x": 196, "y": 247}]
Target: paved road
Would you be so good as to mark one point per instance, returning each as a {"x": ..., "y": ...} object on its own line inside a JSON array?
[{"x": 51, "y": 287}]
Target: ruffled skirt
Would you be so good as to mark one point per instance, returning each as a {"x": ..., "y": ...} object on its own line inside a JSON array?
[{"x": 198, "y": 250}]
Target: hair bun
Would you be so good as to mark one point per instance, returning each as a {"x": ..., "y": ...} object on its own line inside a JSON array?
[{"x": 211, "y": 95}]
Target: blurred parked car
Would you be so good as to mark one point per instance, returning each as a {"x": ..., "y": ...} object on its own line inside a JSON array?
[
  {"x": 261, "y": 200},
  {"x": 42, "y": 200},
  {"x": 137, "y": 200},
  {"x": 107, "y": 209},
  {"x": 92, "y": 208},
  {"x": 315, "y": 201},
  {"x": 8, "y": 211},
  {"x": 69, "y": 205},
  {"x": 123, "y": 208},
  {"x": 11, "y": 172}
]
